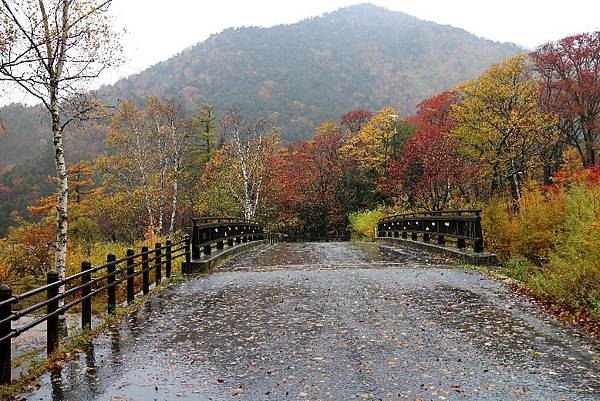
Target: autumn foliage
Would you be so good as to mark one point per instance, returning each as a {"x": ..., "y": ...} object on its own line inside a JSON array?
[{"x": 520, "y": 141}]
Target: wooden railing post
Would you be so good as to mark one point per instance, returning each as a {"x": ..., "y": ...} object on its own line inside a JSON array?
[
  {"x": 208, "y": 246},
  {"x": 111, "y": 290},
  {"x": 86, "y": 304},
  {"x": 52, "y": 322},
  {"x": 130, "y": 277},
  {"x": 158, "y": 263},
  {"x": 188, "y": 255},
  {"x": 220, "y": 244},
  {"x": 145, "y": 271},
  {"x": 478, "y": 242},
  {"x": 168, "y": 259},
  {"x": 195, "y": 240},
  {"x": 5, "y": 328}
]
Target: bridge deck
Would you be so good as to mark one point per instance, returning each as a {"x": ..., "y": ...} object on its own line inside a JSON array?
[{"x": 315, "y": 322}]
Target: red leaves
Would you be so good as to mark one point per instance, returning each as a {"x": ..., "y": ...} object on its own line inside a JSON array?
[
  {"x": 308, "y": 180},
  {"x": 570, "y": 71},
  {"x": 354, "y": 121},
  {"x": 428, "y": 170},
  {"x": 564, "y": 178}
]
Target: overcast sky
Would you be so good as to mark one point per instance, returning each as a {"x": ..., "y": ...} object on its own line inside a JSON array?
[{"x": 158, "y": 29}]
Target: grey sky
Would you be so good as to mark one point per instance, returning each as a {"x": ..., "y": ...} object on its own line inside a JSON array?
[{"x": 158, "y": 29}]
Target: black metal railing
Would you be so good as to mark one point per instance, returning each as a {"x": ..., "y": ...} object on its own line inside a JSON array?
[
  {"x": 80, "y": 288},
  {"x": 213, "y": 233},
  {"x": 460, "y": 225}
]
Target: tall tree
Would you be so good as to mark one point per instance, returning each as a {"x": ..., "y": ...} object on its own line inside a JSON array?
[
  {"x": 250, "y": 145},
  {"x": 205, "y": 135},
  {"x": 570, "y": 71},
  {"x": 374, "y": 145},
  {"x": 149, "y": 146},
  {"x": 52, "y": 49},
  {"x": 428, "y": 173},
  {"x": 499, "y": 124}
]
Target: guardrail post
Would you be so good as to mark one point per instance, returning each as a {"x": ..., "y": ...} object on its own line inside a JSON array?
[
  {"x": 111, "y": 290},
  {"x": 86, "y": 304},
  {"x": 5, "y": 328},
  {"x": 413, "y": 236},
  {"x": 245, "y": 232},
  {"x": 404, "y": 235},
  {"x": 188, "y": 255},
  {"x": 426, "y": 237},
  {"x": 157, "y": 263},
  {"x": 478, "y": 242},
  {"x": 52, "y": 322},
  {"x": 145, "y": 271},
  {"x": 441, "y": 240},
  {"x": 195, "y": 240},
  {"x": 461, "y": 243},
  {"x": 168, "y": 260},
  {"x": 208, "y": 247},
  {"x": 130, "y": 277}
]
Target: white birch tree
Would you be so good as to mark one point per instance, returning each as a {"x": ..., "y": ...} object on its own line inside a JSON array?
[
  {"x": 52, "y": 49},
  {"x": 250, "y": 144}
]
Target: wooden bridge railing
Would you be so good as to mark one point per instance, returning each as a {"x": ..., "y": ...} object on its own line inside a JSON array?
[
  {"x": 461, "y": 225},
  {"x": 80, "y": 288},
  {"x": 210, "y": 233}
]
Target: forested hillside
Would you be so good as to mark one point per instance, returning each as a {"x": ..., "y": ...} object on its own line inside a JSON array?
[
  {"x": 296, "y": 75},
  {"x": 302, "y": 74}
]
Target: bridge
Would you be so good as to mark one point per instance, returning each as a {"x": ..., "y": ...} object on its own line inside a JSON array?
[{"x": 284, "y": 317}]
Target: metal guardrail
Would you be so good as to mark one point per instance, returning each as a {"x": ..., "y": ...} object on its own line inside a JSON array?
[
  {"x": 80, "y": 288},
  {"x": 462, "y": 225}
]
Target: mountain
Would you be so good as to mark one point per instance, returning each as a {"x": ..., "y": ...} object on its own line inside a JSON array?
[
  {"x": 301, "y": 74},
  {"x": 298, "y": 75}
]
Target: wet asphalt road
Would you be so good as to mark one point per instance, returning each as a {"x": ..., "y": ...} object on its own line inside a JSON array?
[{"x": 375, "y": 328}]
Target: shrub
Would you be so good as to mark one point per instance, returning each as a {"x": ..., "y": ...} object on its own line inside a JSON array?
[
  {"x": 364, "y": 223},
  {"x": 530, "y": 230},
  {"x": 518, "y": 268},
  {"x": 572, "y": 276}
]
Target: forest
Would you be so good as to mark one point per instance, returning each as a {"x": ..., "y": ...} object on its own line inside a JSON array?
[
  {"x": 296, "y": 75},
  {"x": 521, "y": 142}
]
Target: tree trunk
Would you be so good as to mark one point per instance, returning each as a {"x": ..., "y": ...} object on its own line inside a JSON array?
[
  {"x": 173, "y": 205},
  {"x": 61, "y": 203},
  {"x": 62, "y": 197}
]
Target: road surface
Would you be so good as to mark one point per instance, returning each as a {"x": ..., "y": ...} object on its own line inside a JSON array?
[{"x": 334, "y": 321}]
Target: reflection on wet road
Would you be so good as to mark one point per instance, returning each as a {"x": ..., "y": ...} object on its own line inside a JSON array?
[{"x": 301, "y": 329}]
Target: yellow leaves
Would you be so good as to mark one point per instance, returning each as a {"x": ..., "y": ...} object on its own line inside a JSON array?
[
  {"x": 372, "y": 145},
  {"x": 499, "y": 121}
]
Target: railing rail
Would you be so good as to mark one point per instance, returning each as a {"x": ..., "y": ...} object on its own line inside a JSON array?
[
  {"x": 212, "y": 233},
  {"x": 461, "y": 225},
  {"x": 80, "y": 288}
]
